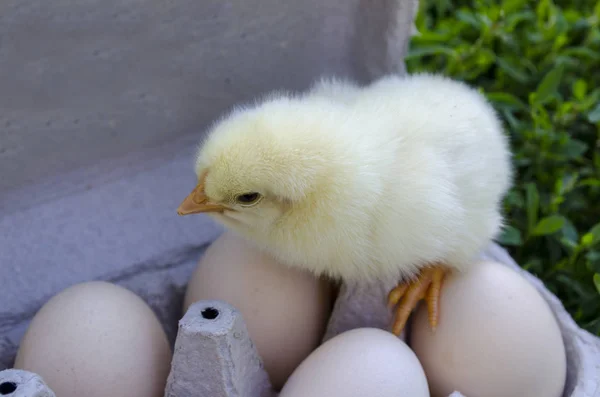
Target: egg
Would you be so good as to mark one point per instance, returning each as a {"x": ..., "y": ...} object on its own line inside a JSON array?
[
  {"x": 97, "y": 339},
  {"x": 285, "y": 310},
  {"x": 358, "y": 363},
  {"x": 496, "y": 337}
]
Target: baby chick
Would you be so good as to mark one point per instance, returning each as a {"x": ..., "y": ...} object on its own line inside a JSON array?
[{"x": 401, "y": 179}]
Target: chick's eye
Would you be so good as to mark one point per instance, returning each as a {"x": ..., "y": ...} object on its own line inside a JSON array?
[{"x": 248, "y": 198}]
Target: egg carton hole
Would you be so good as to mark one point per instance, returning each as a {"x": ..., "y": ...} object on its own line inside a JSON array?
[
  {"x": 210, "y": 313},
  {"x": 7, "y": 388}
]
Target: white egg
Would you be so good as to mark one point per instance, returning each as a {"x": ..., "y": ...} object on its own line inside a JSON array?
[
  {"x": 285, "y": 310},
  {"x": 496, "y": 337},
  {"x": 96, "y": 340},
  {"x": 361, "y": 362}
]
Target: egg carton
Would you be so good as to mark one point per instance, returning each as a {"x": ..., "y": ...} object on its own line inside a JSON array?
[
  {"x": 214, "y": 355},
  {"x": 214, "y": 332}
]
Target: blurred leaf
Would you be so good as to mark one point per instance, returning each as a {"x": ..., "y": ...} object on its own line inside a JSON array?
[
  {"x": 533, "y": 203},
  {"x": 567, "y": 183},
  {"x": 514, "y": 198},
  {"x": 581, "y": 52},
  {"x": 594, "y": 258},
  {"x": 570, "y": 232},
  {"x": 512, "y": 70},
  {"x": 429, "y": 50},
  {"x": 509, "y": 6},
  {"x": 505, "y": 98},
  {"x": 468, "y": 17},
  {"x": 549, "y": 85},
  {"x": 574, "y": 148},
  {"x": 510, "y": 236},
  {"x": 597, "y": 282},
  {"x": 595, "y": 232},
  {"x": 593, "y": 326},
  {"x": 433, "y": 37},
  {"x": 590, "y": 182},
  {"x": 513, "y": 20},
  {"x": 591, "y": 100},
  {"x": 571, "y": 246},
  {"x": 594, "y": 115},
  {"x": 573, "y": 285},
  {"x": 549, "y": 225},
  {"x": 587, "y": 239},
  {"x": 579, "y": 89}
]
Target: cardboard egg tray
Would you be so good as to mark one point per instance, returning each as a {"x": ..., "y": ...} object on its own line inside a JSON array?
[
  {"x": 239, "y": 372},
  {"x": 215, "y": 357}
]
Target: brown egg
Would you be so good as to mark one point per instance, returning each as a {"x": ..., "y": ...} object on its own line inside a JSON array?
[
  {"x": 96, "y": 340},
  {"x": 285, "y": 310},
  {"x": 496, "y": 337}
]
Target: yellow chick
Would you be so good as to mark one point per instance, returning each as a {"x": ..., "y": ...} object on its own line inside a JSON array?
[{"x": 402, "y": 179}]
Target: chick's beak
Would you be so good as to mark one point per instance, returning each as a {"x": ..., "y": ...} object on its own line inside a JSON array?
[{"x": 197, "y": 202}]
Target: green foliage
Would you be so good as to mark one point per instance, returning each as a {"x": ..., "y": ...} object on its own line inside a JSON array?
[{"x": 538, "y": 62}]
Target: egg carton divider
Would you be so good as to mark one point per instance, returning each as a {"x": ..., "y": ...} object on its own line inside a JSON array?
[
  {"x": 18, "y": 383},
  {"x": 214, "y": 355}
]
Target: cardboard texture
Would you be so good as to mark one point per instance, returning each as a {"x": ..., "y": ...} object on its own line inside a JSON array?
[{"x": 17, "y": 383}]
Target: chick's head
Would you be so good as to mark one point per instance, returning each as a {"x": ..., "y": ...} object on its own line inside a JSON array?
[{"x": 263, "y": 169}]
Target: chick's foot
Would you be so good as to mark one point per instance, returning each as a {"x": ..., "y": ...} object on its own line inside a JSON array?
[{"x": 426, "y": 286}]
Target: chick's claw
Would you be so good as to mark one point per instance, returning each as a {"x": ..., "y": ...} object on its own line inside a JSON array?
[{"x": 407, "y": 295}]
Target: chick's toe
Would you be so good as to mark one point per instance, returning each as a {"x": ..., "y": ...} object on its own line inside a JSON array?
[{"x": 407, "y": 295}]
